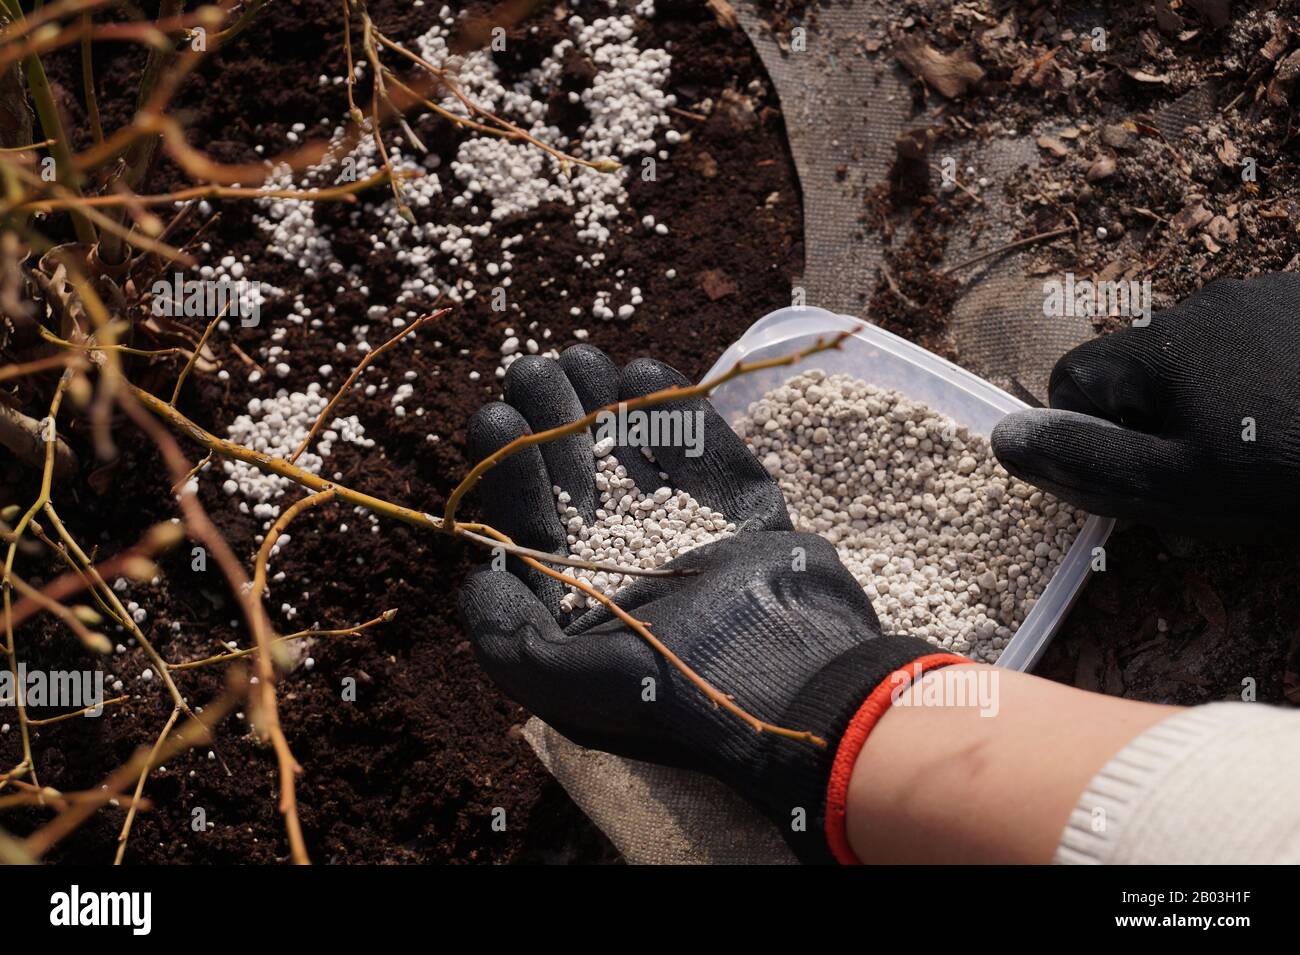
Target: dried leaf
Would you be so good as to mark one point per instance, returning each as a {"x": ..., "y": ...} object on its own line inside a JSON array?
[
  {"x": 1053, "y": 146},
  {"x": 61, "y": 296},
  {"x": 723, "y": 13},
  {"x": 1277, "y": 43},
  {"x": 949, "y": 74},
  {"x": 705, "y": 165},
  {"x": 1289, "y": 68},
  {"x": 716, "y": 284},
  {"x": 1228, "y": 153},
  {"x": 1191, "y": 217},
  {"x": 1223, "y": 230},
  {"x": 1142, "y": 76},
  {"x": 1005, "y": 30},
  {"x": 1103, "y": 167}
]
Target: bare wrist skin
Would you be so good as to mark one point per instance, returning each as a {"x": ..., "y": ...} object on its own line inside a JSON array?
[{"x": 990, "y": 777}]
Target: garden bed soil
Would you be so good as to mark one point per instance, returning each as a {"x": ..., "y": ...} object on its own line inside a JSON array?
[
  {"x": 1143, "y": 146},
  {"x": 414, "y": 769}
]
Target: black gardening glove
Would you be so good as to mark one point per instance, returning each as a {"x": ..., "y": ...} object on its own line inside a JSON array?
[
  {"x": 1190, "y": 423},
  {"x": 772, "y": 617}
]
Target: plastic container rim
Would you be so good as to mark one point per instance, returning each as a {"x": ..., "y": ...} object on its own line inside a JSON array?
[{"x": 1041, "y": 624}]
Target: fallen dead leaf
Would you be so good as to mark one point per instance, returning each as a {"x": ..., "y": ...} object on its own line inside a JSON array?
[
  {"x": 1277, "y": 43},
  {"x": 1228, "y": 153},
  {"x": 723, "y": 13},
  {"x": 1005, "y": 29},
  {"x": 716, "y": 284},
  {"x": 1289, "y": 68},
  {"x": 1142, "y": 76},
  {"x": 1223, "y": 230},
  {"x": 948, "y": 74},
  {"x": 1103, "y": 167},
  {"x": 1191, "y": 217},
  {"x": 706, "y": 165},
  {"x": 1053, "y": 146}
]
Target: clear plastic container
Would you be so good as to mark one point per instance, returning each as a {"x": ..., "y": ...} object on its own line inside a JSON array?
[{"x": 885, "y": 360}]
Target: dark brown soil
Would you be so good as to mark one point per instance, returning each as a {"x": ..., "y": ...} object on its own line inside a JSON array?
[
  {"x": 412, "y": 771},
  {"x": 1177, "y": 112},
  {"x": 1175, "y": 102}
]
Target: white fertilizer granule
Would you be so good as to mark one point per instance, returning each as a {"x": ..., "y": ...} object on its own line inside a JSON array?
[
  {"x": 632, "y": 529},
  {"x": 276, "y": 425},
  {"x": 946, "y": 544}
]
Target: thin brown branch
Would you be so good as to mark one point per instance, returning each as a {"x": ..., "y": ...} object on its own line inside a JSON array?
[
  {"x": 88, "y": 80},
  {"x": 28, "y": 764},
  {"x": 268, "y": 717},
  {"x": 145, "y": 769},
  {"x": 194, "y": 355},
  {"x": 507, "y": 129},
  {"x": 353, "y": 112},
  {"x": 27, "y": 148},
  {"x": 288, "y": 470},
  {"x": 47, "y": 796},
  {"x": 344, "y": 193},
  {"x": 386, "y": 616},
  {"x": 38, "y": 366},
  {"x": 24, "y": 25},
  {"x": 76, "y": 581},
  {"x": 107, "y": 592},
  {"x": 193, "y": 472},
  {"x": 194, "y": 732},
  {"x": 62, "y": 551},
  {"x": 1008, "y": 247},
  {"x": 85, "y": 709},
  {"x": 470, "y": 532},
  {"x": 676, "y": 393},
  {"x": 95, "y": 642},
  {"x": 639, "y": 627},
  {"x": 356, "y": 373}
]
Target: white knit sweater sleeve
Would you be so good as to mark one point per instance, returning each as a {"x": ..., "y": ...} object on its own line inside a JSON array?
[{"x": 1212, "y": 784}]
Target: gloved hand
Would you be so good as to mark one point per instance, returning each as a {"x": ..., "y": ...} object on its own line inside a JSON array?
[
  {"x": 1190, "y": 423},
  {"x": 772, "y": 618}
]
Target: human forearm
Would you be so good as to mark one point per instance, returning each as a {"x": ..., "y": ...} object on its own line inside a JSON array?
[{"x": 943, "y": 783}]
